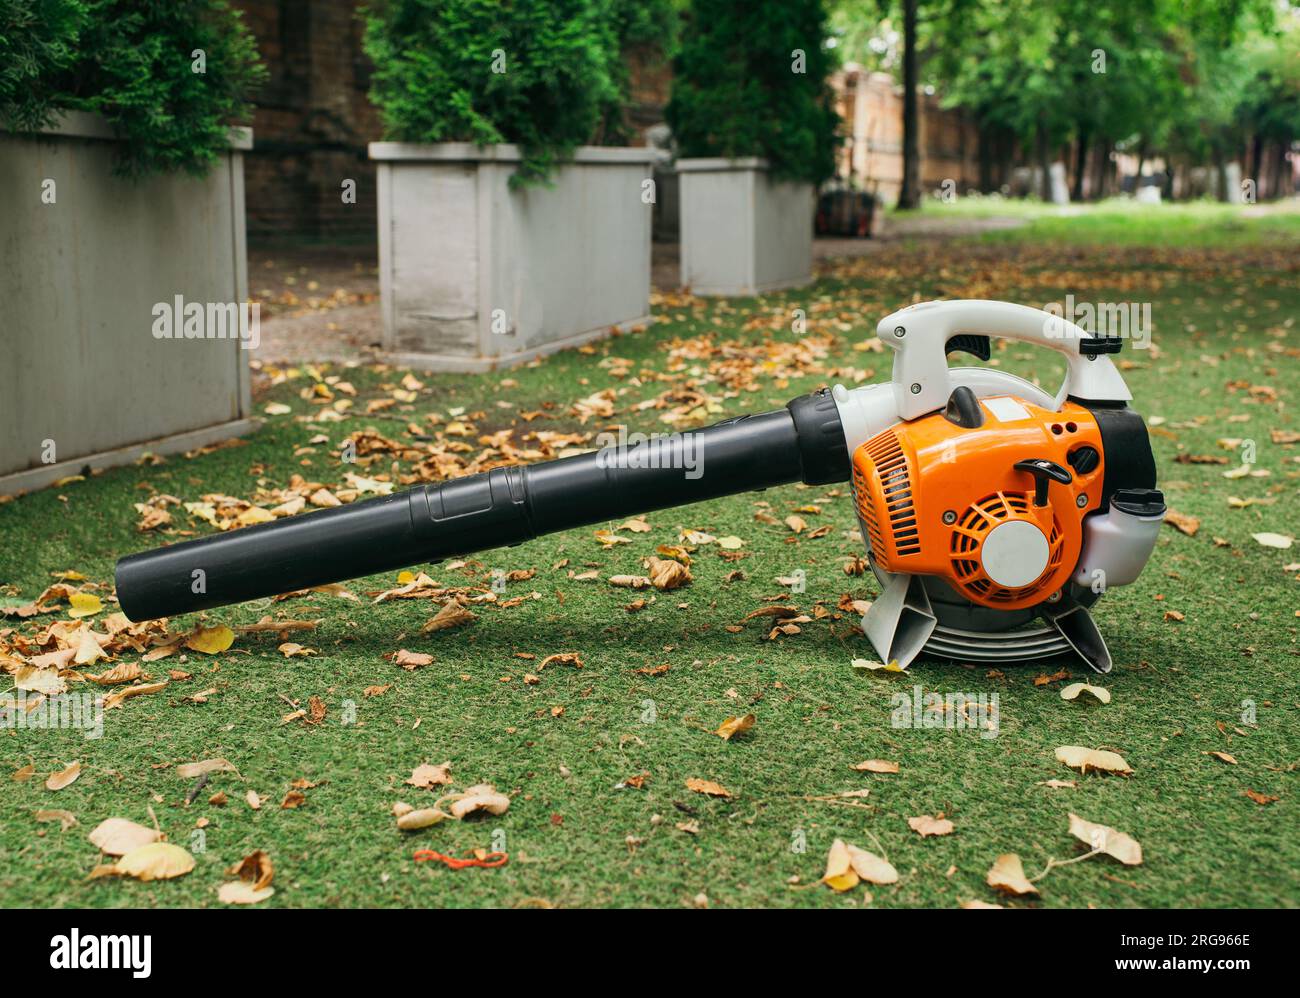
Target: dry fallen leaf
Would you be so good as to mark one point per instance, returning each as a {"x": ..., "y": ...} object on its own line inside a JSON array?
[
  {"x": 875, "y": 766},
  {"x": 734, "y": 726},
  {"x": 189, "y": 770},
  {"x": 482, "y": 797},
  {"x": 66, "y": 819},
  {"x": 1007, "y": 874},
  {"x": 426, "y": 775},
  {"x": 871, "y": 867},
  {"x": 980, "y": 904},
  {"x": 847, "y": 866},
  {"x": 840, "y": 875},
  {"x": 1223, "y": 757},
  {"x": 1261, "y": 798},
  {"x": 155, "y": 861},
  {"x": 210, "y": 640},
  {"x": 708, "y": 787},
  {"x": 1280, "y": 541},
  {"x": 123, "y": 672},
  {"x": 410, "y": 820},
  {"x": 869, "y": 665},
  {"x": 63, "y": 778},
  {"x": 1084, "y": 759},
  {"x": 668, "y": 574},
  {"x": 1100, "y": 838},
  {"x": 117, "y": 836},
  {"x": 452, "y": 614},
  {"x": 1182, "y": 522},
  {"x": 255, "y": 868},
  {"x": 411, "y": 660},
  {"x": 241, "y": 892},
  {"x": 925, "y": 825},
  {"x": 1072, "y": 692}
]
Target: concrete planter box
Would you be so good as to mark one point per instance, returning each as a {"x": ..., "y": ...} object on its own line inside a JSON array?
[
  {"x": 474, "y": 275},
  {"x": 742, "y": 232},
  {"x": 84, "y": 259}
]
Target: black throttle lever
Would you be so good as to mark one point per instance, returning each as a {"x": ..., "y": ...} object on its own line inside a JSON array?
[{"x": 1045, "y": 472}]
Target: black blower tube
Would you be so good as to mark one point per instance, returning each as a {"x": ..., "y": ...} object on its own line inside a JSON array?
[{"x": 505, "y": 506}]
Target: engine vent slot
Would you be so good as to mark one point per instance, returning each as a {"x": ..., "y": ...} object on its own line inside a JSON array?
[
  {"x": 897, "y": 520},
  {"x": 968, "y": 535}
]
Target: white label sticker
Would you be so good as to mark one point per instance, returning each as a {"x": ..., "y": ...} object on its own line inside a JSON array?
[{"x": 1006, "y": 409}]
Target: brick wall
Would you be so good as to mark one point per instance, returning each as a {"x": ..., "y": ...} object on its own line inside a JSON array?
[
  {"x": 871, "y": 106},
  {"x": 312, "y": 123}
]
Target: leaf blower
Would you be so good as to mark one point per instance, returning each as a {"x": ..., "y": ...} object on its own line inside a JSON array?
[{"x": 994, "y": 514}]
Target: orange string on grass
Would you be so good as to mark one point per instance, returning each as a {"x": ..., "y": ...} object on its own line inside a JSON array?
[{"x": 492, "y": 859}]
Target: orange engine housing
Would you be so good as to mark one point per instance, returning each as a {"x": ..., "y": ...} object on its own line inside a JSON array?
[{"x": 930, "y": 493}]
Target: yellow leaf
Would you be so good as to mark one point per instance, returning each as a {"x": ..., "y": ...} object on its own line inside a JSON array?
[
  {"x": 1008, "y": 874},
  {"x": 871, "y": 666},
  {"x": 211, "y": 640},
  {"x": 840, "y": 875},
  {"x": 734, "y": 726},
  {"x": 84, "y": 605},
  {"x": 156, "y": 861}
]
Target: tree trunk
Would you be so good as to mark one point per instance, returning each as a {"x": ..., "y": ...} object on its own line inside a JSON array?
[
  {"x": 1044, "y": 167},
  {"x": 1080, "y": 164},
  {"x": 910, "y": 194}
]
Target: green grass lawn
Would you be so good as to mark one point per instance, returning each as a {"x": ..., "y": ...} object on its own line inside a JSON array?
[{"x": 1225, "y": 367}]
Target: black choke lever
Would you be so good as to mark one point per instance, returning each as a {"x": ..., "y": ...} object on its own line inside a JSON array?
[{"x": 1045, "y": 472}]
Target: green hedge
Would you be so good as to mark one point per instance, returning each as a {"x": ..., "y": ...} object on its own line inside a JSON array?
[
  {"x": 544, "y": 74},
  {"x": 133, "y": 62},
  {"x": 737, "y": 91}
]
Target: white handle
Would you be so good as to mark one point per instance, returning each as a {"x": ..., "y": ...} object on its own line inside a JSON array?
[{"x": 919, "y": 335}]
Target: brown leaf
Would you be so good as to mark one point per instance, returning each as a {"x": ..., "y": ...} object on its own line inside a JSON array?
[
  {"x": 875, "y": 766},
  {"x": 293, "y": 799},
  {"x": 411, "y": 660},
  {"x": 256, "y": 868},
  {"x": 708, "y": 787},
  {"x": 61, "y": 779},
  {"x": 1223, "y": 757},
  {"x": 482, "y": 797},
  {"x": 155, "y": 861},
  {"x": 572, "y": 658},
  {"x": 1261, "y": 798},
  {"x": 1008, "y": 875},
  {"x": 1182, "y": 522},
  {"x": 667, "y": 574},
  {"x": 191, "y": 770},
  {"x": 123, "y": 672},
  {"x": 426, "y": 775},
  {"x": 66, "y": 819},
  {"x": 926, "y": 825},
  {"x": 452, "y": 614}
]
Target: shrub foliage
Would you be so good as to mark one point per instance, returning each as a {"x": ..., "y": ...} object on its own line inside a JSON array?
[{"x": 749, "y": 79}]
